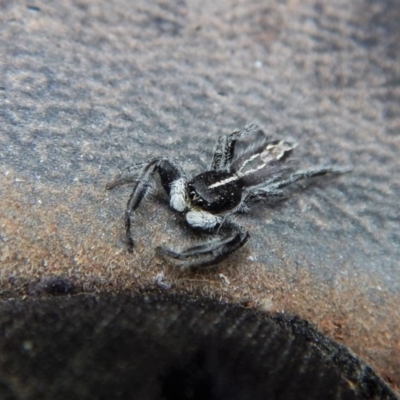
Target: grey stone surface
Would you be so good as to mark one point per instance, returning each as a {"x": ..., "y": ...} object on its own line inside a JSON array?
[{"x": 88, "y": 88}]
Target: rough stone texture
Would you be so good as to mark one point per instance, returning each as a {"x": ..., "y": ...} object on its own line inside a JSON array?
[{"x": 88, "y": 88}]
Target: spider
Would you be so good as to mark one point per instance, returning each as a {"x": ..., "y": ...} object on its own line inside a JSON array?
[{"x": 209, "y": 200}]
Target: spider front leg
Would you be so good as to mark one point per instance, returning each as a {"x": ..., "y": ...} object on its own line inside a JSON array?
[
  {"x": 171, "y": 178},
  {"x": 232, "y": 237}
]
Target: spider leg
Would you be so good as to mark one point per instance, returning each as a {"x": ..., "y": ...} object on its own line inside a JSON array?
[
  {"x": 218, "y": 154},
  {"x": 271, "y": 191},
  {"x": 128, "y": 175},
  {"x": 171, "y": 178},
  {"x": 210, "y": 252},
  {"x": 142, "y": 188},
  {"x": 225, "y": 147},
  {"x": 258, "y": 195},
  {"x": 305, "y": 174}
]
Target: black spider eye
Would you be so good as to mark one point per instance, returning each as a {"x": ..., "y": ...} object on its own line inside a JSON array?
[{"x": 195, "y": 198}]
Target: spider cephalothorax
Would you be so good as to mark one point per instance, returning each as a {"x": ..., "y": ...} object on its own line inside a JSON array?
[{"x": 231, "y": 185}]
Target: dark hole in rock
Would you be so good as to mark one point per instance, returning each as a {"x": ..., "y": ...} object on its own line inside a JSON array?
[{"x": 158, "y": 346}]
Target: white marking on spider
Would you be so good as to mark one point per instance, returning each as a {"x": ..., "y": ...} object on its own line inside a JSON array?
[
  {"x": 225, "y": 181},
  {"x": 239, "y": 174},
  {"x": 278, "y": 150},
  {"x": 202, "y": 219},
  {"x": 178, "y": 195},
  {"x": 249, "y": 160}
]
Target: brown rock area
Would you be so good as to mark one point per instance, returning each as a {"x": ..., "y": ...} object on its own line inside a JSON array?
[{"x": 88, "y": 88}]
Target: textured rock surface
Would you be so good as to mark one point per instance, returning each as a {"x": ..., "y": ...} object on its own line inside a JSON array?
[{"x": 88, "y": 88}]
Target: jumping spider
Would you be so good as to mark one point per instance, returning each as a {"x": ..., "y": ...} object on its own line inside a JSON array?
[{"x": 233, "y": 183}]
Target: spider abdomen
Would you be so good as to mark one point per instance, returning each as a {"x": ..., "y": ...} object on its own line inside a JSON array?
[{"x": 215, "y": 191}]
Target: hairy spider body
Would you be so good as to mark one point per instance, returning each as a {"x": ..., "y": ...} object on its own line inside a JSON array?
[
  {"x": 231, "y": 185},
  {"x": 205, "y": 193}
]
